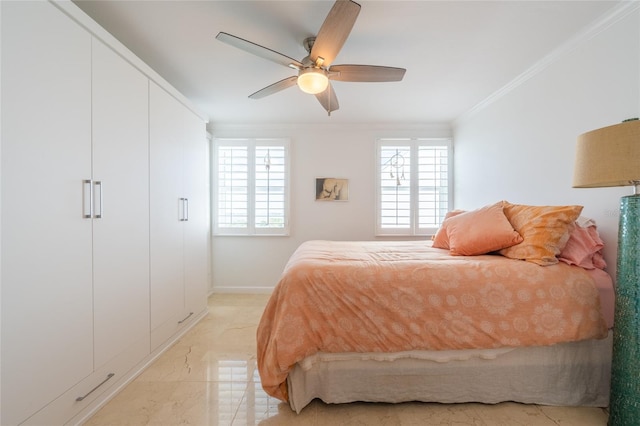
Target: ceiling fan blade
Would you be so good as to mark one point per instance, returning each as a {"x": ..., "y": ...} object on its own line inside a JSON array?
[
  {"x": 328, "y": 99},
  {"x": 275, "y": 87},
  {"x": 258, "y": 50},
  {"x": 334, "y": 31},
  {"x": 365, "y": 73}
]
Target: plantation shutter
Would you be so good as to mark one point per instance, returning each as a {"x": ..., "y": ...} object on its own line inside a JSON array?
[
  {"x": 433, "y": 185},
  {"x": 232, "y": 182},
  {"x": 414, "y": 185},
  {"x": 395, "y": 190},
  {"x": 270, "y": 187},
  {"x": 251, "y": 190}
]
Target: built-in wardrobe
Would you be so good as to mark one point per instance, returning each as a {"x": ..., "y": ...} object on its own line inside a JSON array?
[{"x": 104, "y": 215}]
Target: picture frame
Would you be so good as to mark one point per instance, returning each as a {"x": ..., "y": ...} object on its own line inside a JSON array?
[{"x": 332, "y": 189}]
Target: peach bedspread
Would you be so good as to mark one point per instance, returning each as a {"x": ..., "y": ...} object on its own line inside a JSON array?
[{"x": 401, "y": 296}]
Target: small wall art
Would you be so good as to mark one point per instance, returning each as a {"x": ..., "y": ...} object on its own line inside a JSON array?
[{"x": 332, "y": 189}]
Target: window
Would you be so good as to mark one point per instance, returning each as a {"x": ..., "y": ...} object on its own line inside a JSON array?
[
  {"x": 414, "y": 185},
  {"x": 251, "y": 186}
]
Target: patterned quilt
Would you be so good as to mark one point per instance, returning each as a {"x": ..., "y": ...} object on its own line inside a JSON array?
[{"x": 400, "y": 296}]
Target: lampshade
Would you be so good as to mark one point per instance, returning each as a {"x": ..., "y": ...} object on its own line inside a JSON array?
[
  {"x": 312, "y": 80},
  {"x": 609, "y": 156}
]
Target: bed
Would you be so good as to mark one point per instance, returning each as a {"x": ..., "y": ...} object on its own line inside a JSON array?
[{"x": 395, "y": 321}]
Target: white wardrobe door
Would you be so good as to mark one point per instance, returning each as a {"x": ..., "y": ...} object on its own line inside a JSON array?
[
  {"x": 121, "y": 182},
  {"x": 47, "y": 316},
  {"x": 167, "y": 283},
  {"x": 196, "y": 167}
]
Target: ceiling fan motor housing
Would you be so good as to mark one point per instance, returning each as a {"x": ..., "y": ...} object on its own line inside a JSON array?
[{"x": 308, "y": 43}]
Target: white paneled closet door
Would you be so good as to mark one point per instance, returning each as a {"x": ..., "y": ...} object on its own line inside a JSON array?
[
  {"x": 47, "y": 319},
  {"x": 121, "y": 205},
  {"x": 179, "y": 218},
  {"x": 196, "y": 172},
  {"x": 167, "y": 209}
]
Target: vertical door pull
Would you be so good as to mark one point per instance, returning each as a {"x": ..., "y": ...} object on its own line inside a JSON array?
[
  {"x": 186, "y": 209},
  {"x": 98, "y": 199},
  {"x": 181, "y": 207},
  {"x": 87, "y": 198}
]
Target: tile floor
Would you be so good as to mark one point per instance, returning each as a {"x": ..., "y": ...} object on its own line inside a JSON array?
[{"x": 209, "y": 377}]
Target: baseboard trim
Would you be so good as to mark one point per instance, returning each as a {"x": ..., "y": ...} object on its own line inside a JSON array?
[{"x": 242, "y": 290}]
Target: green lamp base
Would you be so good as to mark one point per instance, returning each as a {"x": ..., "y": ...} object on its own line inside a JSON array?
[{"x": 624, "y": 405}]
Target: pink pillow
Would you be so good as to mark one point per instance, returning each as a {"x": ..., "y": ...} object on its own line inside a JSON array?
[
  {"x": 598, "y": 261},
  {"x": 441, "y": 240},
  {"x": 480, "y": 231},
  {"x": 583, "y": 248}
]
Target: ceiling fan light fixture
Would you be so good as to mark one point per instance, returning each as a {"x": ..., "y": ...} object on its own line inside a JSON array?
[{"x": 313, "y": 80}]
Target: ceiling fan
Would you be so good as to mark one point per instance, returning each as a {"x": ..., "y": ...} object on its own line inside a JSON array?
[{"x": 315, "y": 70}]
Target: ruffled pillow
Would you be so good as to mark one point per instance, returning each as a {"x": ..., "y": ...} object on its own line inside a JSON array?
[
  {"x": 584, "y": 246},
  {"x": 545, "y": 230}
]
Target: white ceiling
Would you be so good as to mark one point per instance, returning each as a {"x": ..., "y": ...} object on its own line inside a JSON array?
[{"x": 456, "y": 53}]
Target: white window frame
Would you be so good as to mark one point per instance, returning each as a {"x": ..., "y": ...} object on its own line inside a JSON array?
[
  {"x": 413, "y": 228},
  {"x": 250, "y": 229}
]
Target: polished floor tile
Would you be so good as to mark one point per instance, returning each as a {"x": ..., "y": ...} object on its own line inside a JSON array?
[{"x": 209, "y": 377}]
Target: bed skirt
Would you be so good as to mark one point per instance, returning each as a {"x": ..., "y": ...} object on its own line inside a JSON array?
[{"x": 568, "y": 374}]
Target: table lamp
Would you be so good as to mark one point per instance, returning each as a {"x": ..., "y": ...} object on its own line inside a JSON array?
[{"x": 610, "y": 156}]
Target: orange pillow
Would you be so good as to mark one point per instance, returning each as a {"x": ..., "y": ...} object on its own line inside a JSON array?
[
  {"x": 545, "y": 230},
  {"x": 441, "y": 239},
  {"x": 480, "y": 231}
]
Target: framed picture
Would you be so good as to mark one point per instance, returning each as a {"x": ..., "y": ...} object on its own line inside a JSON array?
[{"x": 332, "y": 189}]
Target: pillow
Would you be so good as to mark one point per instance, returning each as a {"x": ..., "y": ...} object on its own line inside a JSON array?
[
  {"x": 545, "y": 230},
  {"x": 598, "y": 261},
  {"x": 584, "y": 246},
  {"x": 441, "y": 239},
  {"x": 480, "y": 231}
]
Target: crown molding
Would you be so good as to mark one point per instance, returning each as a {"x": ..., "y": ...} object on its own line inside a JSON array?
[
  {"x": 617, "y": 13},
  {"x": 264, "y": 128}
]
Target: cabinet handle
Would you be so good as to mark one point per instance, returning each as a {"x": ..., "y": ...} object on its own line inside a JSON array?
[
  {"x": 98, "y": 187},
  {"x": 181, "y": 208},
  {"x": 110, "y": 375},
  {"x": 185, "y": 318},
  {"x": 186, "y": 209},
  {"x": 87, "y": 199}
]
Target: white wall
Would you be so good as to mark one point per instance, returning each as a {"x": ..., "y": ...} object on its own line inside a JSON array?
[
  {"x": 518, "y": 147},
  {"x": 255, "y": 263},
  {"x": 521, "y": 146}
]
